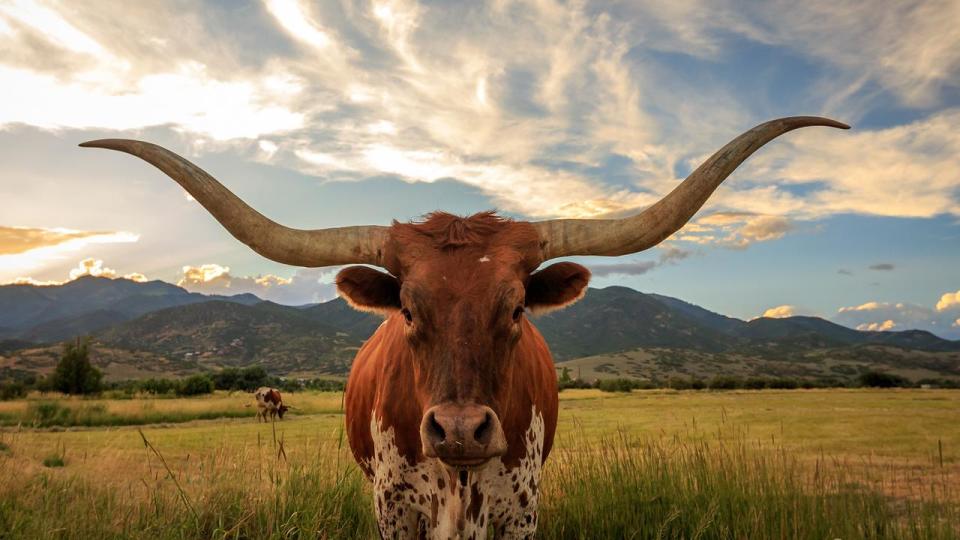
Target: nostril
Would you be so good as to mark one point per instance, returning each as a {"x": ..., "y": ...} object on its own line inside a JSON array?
[
  {"x": 484, "y": 430},
  {"x": 434, "y": 429}
]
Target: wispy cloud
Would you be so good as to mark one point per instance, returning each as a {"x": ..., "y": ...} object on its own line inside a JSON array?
[
  {"x": 24, "y": 249},
  {"x": 882, "y": 267},
  {"x": 526, "y": 102},
  {"x": 17, "y": 240},
  {"x": 570, "y": 109},
  {"x": 668, "y": 255},
  {"x": 734, "y": 229}
]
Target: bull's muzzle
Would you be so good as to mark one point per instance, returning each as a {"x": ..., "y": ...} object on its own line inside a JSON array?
[{"x": 462, "y": 435}]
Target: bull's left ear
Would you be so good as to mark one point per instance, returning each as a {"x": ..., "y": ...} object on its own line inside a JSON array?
[
  {"x": 556, "y": 287},
  {"x": 367, "y": 289}
]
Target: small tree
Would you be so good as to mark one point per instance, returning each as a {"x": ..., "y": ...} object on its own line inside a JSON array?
[
  {"x": 12, "y": 390},
  {"x": 879, "y": 379},
  {"x": 74, "y": 373},
  {"x": 195, "y": 385}
]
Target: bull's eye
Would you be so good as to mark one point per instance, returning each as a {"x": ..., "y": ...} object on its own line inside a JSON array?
[
  {"x": 517, "y": 313},
  {"x": 407, "y": 315}
]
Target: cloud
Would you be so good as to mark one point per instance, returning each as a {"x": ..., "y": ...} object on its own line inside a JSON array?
[
  {"x": 623, "y": 269},
  {"x": 939, "y": 318},
  {"x": 883, "y": 267},
  {"x": 908, "y": 49},
  {"x": 65, "y": 69},
  {"x": 86, "y": 267},
  {"x": 307, "y": 286},
  {"x": 92, "y": 267},
  {"x": 526, "y": 102},
  {"x": 844, "y": 272},
  {"x": 736, "y": 230},
  {"x": 24, "y": 249},
  {"x": 668, "y": 255},
  {"x": 948, "y": 301},
  {"x": 17, "y": 240},
  {"x": 911, "y": 171},
  {"x": 877, "y": 327},
  {"x": 780, "y": 312}
]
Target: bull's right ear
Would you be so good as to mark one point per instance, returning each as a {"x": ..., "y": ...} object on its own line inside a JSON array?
[{"x": 366, "y": 289}]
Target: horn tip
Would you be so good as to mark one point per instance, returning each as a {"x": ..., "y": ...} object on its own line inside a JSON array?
[
  {"x": 829, "y": 122},
  {"x": 99, "y": 143}
]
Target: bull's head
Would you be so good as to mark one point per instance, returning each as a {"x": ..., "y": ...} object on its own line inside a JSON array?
[{"x": 461, "y": 286}]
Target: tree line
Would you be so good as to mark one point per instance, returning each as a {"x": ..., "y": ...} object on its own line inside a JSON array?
[
  {"x": 867, "y": 379},
  {"x": 76, "y": 375}
]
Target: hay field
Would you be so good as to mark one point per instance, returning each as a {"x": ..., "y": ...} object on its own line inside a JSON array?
[{"x": 650, "y": 464}]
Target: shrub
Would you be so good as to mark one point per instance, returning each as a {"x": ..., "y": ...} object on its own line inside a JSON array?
[
  {"x": 74, "y": 373},
  {"x": 12, "y": 390},
  {"x": 325, "y": 385},
  {"x": 53, "y": 461},
  {"x": 755, "y": 383},
  {"x": 725, "y": 382},
  {"x": 573, "y": 383},
  {"x": 48, "y": 413},
  {"x": 879, "y": 379},
  {"x": 158, "y": 386},
  {"x": 619, "y": 385},
  {"x": 247, "y": 379},
  {"x": 195, "y": 385},
  {"x": 783, "y": 383}
]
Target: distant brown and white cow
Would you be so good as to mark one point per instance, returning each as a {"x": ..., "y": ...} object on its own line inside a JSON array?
[
  {"x": 451, "y": 405},
  {"x": 269, "y": 402}
]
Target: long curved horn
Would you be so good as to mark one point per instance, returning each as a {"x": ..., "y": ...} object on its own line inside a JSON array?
[
  {"x": 564, "y": 237},
  {"x": 298, "y": 247}
]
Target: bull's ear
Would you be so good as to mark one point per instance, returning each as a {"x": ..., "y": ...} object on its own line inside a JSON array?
[
  {"x": 556, "y": 286},
  {"x": 367, "y": 289}
]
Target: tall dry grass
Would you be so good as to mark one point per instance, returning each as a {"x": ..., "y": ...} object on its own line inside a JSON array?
[{"x": 617, "y": 486}]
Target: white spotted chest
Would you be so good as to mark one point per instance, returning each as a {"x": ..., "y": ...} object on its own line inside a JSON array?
[{"x": 428, "y": 497}]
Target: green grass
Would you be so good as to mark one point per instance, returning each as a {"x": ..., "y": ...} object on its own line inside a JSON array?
[
  {"x": 857, "y": 464},
  {"x": 53, "y": 461},
  {"x": 46, "y": 411}
]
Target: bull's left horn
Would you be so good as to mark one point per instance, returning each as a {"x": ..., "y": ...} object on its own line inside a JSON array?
[
  {"x": 611, "y": 237},
  {"x": 298, "y": 247}
]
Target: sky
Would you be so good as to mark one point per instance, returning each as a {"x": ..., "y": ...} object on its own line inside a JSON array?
[{"x": 342, "y": 113}]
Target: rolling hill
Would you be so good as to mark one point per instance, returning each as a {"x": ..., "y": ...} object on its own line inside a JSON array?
[
  {"x": 88, "y": 304},
  {"x": 615, "y": 331}
]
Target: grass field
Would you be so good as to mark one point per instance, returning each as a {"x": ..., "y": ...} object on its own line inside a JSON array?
[{"x": 651, "y": 464}]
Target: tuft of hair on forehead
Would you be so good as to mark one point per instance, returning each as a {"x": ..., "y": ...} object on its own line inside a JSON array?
[{"x": 449, "y": 231}]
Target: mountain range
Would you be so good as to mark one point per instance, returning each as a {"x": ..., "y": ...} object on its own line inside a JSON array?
[{"x": 159, "y": 329}]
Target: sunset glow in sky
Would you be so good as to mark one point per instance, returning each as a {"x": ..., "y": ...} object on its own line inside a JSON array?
[{"x": 341, "y": 113}]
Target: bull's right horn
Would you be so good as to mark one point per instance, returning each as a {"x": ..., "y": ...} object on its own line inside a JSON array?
[{"x": 297, "y": 247}]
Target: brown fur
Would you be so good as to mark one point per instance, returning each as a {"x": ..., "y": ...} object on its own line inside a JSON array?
[
  {"x": 461, "y": 281},
  {"x": 269, "y": 402}
]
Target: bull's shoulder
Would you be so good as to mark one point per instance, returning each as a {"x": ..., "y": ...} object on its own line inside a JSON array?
[{"x": 381, "y": 371}]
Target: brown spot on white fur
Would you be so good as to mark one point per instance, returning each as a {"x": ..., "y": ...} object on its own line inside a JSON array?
[{"x": 494, "y": 495}]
